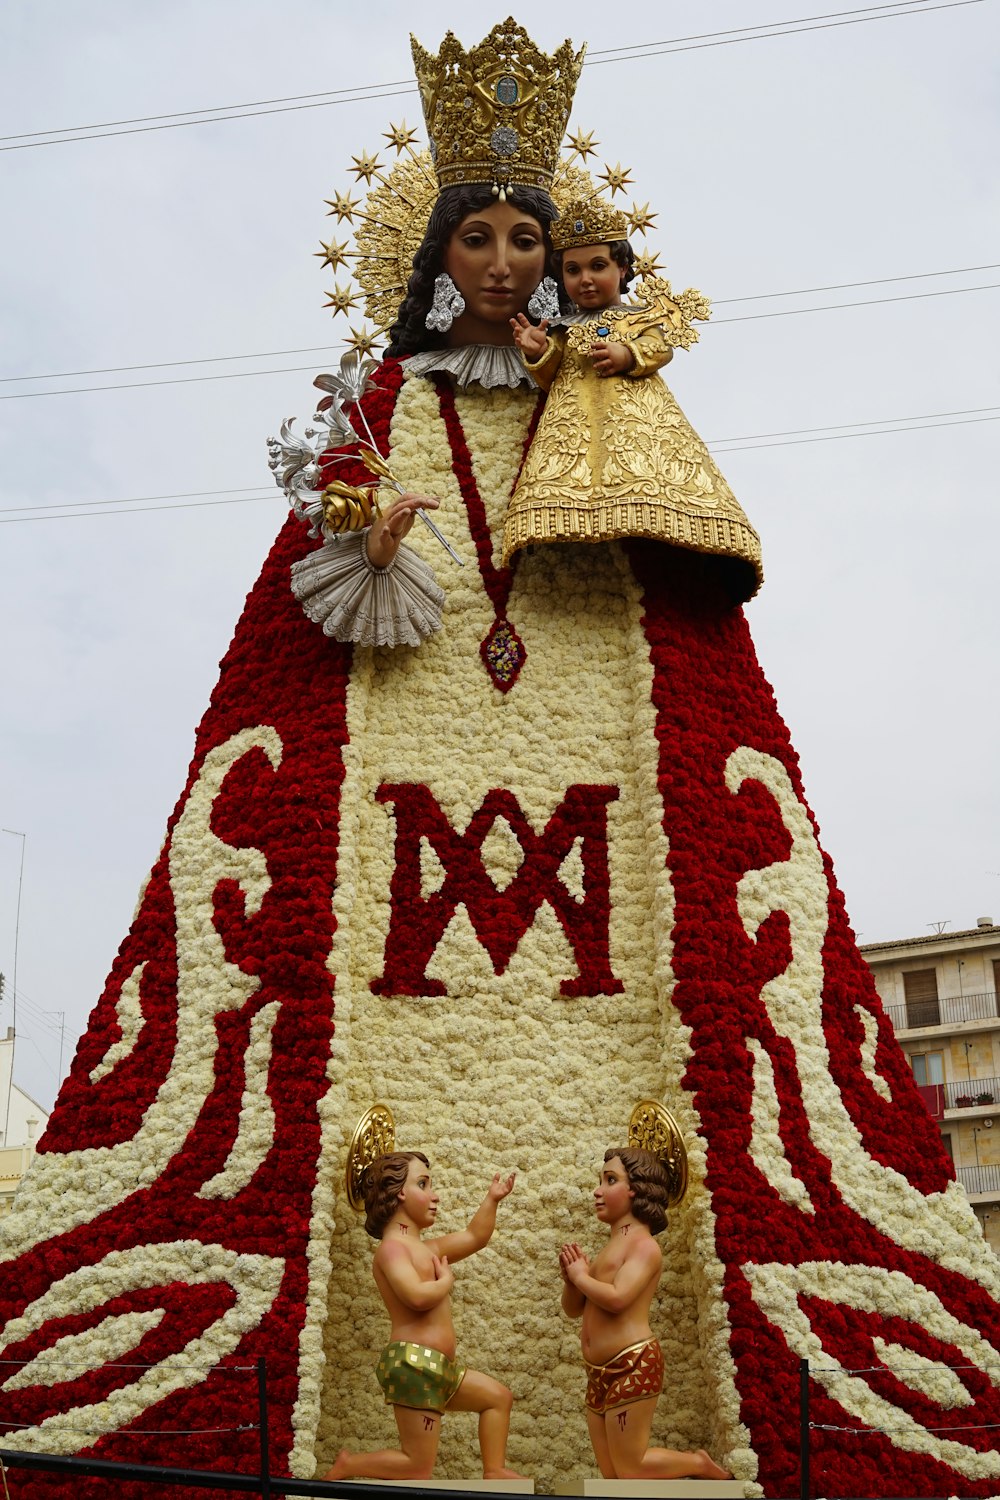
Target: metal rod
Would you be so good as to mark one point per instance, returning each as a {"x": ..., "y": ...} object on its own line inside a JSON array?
[
  {"x": 803, "y": 1429},
  {"x": 13, "y": 997},
  {"x": 265, "y": 1457}
]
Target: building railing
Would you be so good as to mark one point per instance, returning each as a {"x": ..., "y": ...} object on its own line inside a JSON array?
[
  {"x": 979, "y": 1179},
  {"x": 970, "y": 1093},
  {"x": 946, "y": 1011}
]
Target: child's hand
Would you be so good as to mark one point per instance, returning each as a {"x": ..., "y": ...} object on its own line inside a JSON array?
[
  {"x": 442, "y": 1270},
  {"x": 611, "y": 359},
  {"x": 500, "y": 1187},
  {"x": 573, "y": 1263},
  {"x": 529, "y": 339}
]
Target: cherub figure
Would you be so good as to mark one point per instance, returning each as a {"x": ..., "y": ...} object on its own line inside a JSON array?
[
  {"x": 417, "y": 1369},
  {"x": 613, "y": 1295}
]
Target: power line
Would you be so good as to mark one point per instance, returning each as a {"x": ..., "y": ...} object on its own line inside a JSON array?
[
  {"x": 790, "y": 437},
  {"x": 797, "y": 312},
  {"x": 214, "y": 359},
  {"x": 802, "y": 291},
  {"x": 239, "y": 489},
  {"x": 217, "y": 359},
  {"x": 213, "y": 114},
  {"x": 927, "y": 416},
  {"x": 137, "y": 511},
  {"x": 874, "y": 432},
  {"x": 138, "y": 385}
]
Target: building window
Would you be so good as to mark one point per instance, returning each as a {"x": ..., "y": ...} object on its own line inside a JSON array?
[
  {"x": 921, "y": 991},
  {"x": 928, "y": 1067},
  {"x": 946, "y": 1143}
]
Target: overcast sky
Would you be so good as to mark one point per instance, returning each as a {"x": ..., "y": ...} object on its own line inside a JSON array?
[{"x": 850, "y": 153}]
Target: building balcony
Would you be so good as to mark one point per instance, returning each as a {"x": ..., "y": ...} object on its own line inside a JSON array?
[
  {"x": 971, "y": 1093},
  {"x": 952, "y": 1011},
  {"x": 980, "y": 1182}
]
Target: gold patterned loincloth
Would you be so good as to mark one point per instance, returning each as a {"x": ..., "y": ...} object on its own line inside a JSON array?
[
  {"x": 413, "y": 1375},
  {"x": 635, "y": 1374}
]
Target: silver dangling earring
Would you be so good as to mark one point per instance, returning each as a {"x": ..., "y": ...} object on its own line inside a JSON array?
[
  {"x": 544, "y": 300},
  {"x": 448, "y": 304}
]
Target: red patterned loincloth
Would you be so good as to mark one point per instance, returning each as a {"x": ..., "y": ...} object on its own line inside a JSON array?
[{"x": 634, "y": 1374}]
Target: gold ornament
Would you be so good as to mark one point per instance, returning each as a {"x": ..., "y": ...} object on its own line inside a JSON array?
[
  {"x": 655, "y": 306},
  {"x": 391, "y": 222},
  {"x": 346, "y": 507},
  {"x": 588, "y": 221},
  {"x": 374, "y": 1136},
  {"x": 652, "y": 1127},
  {"x": 616, "y": 177},
  {"x": 582, "y": 145},
  {"x": 332, "y": 255},
  {"x": 497, "y": 113},
  {"x": 342, "y": 299}
]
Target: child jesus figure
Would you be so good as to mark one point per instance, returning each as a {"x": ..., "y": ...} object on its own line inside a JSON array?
[
  {"x": 417, "y": 1369},
  {"x": 613, "y": 1294}
]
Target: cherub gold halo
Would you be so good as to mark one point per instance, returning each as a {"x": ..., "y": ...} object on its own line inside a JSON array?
[
  {"x": 652, "y": 1127},
  {"x": 374, "y": 1136}
]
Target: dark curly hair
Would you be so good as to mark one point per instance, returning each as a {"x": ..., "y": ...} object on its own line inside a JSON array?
[
  {"x": 409, "y": 334},
  {"x": 621, "y": 253},
  {"x": 647, "y": 1177},
  {"x": 384, "y": 1181}
]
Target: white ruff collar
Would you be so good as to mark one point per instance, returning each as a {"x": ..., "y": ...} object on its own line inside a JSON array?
[{"x": 488, "y": 365}]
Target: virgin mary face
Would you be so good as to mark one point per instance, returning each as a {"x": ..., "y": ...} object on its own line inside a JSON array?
[{"x": 496, "y": 257}]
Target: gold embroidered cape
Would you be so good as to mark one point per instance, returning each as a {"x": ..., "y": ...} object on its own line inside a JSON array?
[{"x": 618, "y": 458}]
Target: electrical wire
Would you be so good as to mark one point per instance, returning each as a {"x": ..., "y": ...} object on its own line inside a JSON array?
[
  {"x": 214, "y": 359},
  {"x": 217, "y": 359},
  {"x": 881, "y": 427},
  {"x": 764, "y": 31},
  {"x": 138, "y": 385},
  {"x": 797, "y": 312}
]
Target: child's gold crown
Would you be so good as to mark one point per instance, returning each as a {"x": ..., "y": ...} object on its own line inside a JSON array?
[
  {"x": 497, "y": 113},
  {"x": 588, "y": 221}
]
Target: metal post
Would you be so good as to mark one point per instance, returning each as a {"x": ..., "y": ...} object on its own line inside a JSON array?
[
  {"x": 804, "y": 1429},
  {"x": 265, "y": 1456}
]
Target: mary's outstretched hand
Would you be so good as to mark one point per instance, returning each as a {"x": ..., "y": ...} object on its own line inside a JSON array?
[{"x": 389, "y": 529}]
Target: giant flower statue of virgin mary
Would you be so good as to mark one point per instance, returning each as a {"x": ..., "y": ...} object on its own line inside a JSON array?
[{"x": 508, "y": 847}]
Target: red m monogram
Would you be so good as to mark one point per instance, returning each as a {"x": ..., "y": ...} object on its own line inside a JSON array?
[{"x": 499, "y": 918}]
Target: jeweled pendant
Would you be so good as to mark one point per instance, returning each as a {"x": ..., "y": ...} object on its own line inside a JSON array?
[{"x": 503, "y": 653}]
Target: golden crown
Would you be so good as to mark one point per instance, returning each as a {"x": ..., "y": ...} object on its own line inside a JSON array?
[
  {"x": 497, "y": 113},
  {"x": 588, "y": 221}
]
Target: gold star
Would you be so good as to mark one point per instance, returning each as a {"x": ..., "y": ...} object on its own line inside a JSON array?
[
  {"x": 641, "y": 219},
  {"x": 400, "y": 136},
  {"x": 343, "y": 205},
  {"x": 582, "y": 145},
  {"x": 332, "y": 255},
  {"x": 616, "y": 177},
  {"x": 365, "y": 166},
  {"x": 342, "y": 299},
  {"x": 364, "y": 342},
  {"x": 647, "y": 264}
]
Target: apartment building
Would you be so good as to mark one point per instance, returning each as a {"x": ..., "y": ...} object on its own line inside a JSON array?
[
  {"x": 940, "y": 993},
  {"x": 22, "y": 1121}
]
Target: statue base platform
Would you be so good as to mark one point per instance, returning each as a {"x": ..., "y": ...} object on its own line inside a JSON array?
[
  {"x": 465, "y": 1486},
  {"x": 654, "y": 1489}
]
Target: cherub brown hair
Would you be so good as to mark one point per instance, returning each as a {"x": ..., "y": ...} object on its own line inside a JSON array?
[
  {"x": 647, "y": 1177},
  {"x": 384, "y": 1181}
]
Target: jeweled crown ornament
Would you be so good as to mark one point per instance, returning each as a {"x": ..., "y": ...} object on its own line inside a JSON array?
[
  {"x": 588, "y": 221},
  {"x": 498, "y": 112}
]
